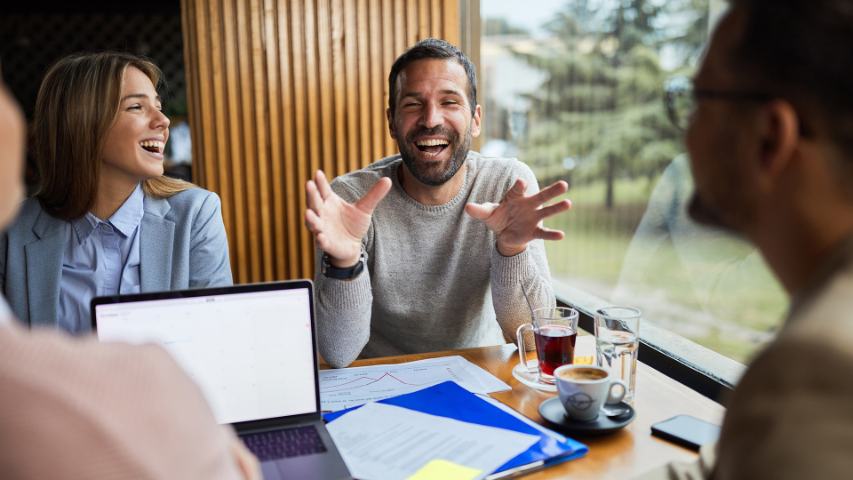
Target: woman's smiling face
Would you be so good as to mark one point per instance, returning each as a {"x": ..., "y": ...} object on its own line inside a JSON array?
[{"x": 134, "y": 144}]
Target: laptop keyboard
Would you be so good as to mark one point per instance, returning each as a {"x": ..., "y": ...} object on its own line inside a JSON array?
[{"x": 291, "y": 442}]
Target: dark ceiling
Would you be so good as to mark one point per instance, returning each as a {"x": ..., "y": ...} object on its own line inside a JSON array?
[{"x": 148, "y": 7}]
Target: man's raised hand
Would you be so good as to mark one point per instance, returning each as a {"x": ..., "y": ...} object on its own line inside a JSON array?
[
  {"x": 338, "y": 226},
  {"x": 518, "y": 218}
]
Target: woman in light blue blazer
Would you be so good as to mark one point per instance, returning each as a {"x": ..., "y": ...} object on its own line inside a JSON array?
[{"x": 104, "y": 219}]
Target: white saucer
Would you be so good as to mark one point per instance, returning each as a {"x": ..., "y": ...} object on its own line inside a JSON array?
[{"x": 530, "y": 376}]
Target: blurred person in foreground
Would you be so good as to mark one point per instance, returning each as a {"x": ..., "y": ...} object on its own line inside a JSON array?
[
  {"x": 770, "y": 139},
  {"x": 79, "y": 409}
]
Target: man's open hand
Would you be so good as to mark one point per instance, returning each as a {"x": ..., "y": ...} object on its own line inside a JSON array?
[
  {"x": 518, "y": 218},
  {"x": 338, "y": 226}
]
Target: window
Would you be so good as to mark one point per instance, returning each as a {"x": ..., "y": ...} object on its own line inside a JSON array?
[{"x": 574, "y": 88}]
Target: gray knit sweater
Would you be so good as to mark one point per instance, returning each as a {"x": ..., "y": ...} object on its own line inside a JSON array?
[{"x": 434, "y": 279}]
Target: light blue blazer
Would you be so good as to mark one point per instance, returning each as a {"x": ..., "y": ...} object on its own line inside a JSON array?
[{"x": 182, "y": 245}]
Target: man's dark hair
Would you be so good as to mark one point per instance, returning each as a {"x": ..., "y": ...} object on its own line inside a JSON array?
[
  {"x": 427, "y": 49},
  {"x": 800, "y": 50}
]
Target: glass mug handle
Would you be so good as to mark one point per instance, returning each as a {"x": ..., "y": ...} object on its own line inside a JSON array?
[
  {"x": 522, "y": 353},
  {"x": 623, "y": 390}
]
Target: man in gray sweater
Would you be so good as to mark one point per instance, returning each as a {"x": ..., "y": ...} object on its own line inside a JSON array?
[{"x": 453, "y": 256}]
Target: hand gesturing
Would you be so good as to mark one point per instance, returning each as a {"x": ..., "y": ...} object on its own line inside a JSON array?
[
  {"x": 518, "y": 218},
  {"x": 338, "y": 226}
]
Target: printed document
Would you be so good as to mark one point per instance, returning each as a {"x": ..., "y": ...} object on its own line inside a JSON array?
[
  {"x": 349, "y": 387},
  {"x": 379, "y": 441}
]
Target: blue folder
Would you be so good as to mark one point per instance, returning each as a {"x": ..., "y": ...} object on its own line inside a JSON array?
[{"x": 448, "y": 399}]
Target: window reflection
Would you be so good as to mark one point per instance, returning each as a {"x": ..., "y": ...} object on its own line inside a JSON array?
[{"x": 574, "y": 88}]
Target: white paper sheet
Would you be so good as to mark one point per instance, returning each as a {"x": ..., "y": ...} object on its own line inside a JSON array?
[
  {"x": 379, "y": 441},
  {"x": 506, "y": 408},
  {"x": 348, "y": 387}
]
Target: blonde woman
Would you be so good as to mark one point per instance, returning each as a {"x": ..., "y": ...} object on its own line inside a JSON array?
[{"x": 104, "y": 220}]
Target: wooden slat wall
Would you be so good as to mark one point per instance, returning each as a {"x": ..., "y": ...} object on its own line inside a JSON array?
[{"x": 279, "y": 88}]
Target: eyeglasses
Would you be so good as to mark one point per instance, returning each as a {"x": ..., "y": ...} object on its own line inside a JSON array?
[{"x": 680, "y": 99}]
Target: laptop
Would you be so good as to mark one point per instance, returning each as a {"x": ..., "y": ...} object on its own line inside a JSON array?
[{"x": 252, "y": 350}]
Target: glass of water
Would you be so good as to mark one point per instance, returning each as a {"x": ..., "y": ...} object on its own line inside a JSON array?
[{"x": 617, "y": 342}]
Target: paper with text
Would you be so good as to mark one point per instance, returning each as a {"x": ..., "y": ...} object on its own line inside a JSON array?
[
  {"x": 349, "y": 387},
  {"x": 379, "y": 441}
]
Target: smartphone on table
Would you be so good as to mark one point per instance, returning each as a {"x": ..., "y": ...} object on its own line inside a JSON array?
[{"x": 687, "y": 431}]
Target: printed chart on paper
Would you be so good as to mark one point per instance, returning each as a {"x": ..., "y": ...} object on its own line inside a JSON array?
[{"x": 348, "y": 387}]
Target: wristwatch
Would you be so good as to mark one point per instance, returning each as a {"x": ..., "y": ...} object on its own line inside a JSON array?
[{"x": 348, "y": 273}]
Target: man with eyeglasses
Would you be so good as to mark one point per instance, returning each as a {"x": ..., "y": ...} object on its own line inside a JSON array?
[{"x": 770, "y": 137}]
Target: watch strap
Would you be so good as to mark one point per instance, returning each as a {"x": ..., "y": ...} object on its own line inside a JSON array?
[{"x": 331, "y": 271}]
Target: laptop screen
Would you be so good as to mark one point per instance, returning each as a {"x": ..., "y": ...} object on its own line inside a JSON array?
[{"x": 252, "y": 353}]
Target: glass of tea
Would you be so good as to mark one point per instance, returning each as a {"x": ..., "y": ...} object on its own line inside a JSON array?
[{"x": 554, "y": 330}]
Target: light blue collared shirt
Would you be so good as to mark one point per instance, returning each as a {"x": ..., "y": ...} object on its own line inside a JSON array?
[{"x": 100, "y": 258}]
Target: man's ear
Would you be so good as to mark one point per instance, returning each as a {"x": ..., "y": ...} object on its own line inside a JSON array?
[
  {"x": 779, "y": 131},
  {"x": 389, "y": 116},
  {"x": 475, "y": 121}
]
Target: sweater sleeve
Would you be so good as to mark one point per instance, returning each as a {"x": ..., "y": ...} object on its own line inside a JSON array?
[
  {"x": 521, "y": 283},
  {"x": 343, "y": 307},
  {"x": 343, "y": 315}
]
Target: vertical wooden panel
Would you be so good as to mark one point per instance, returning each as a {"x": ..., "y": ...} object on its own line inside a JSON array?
[
  {"x": 340, "y": 75},
  {"x": 279, "y": 88},
  {"x": 275, "y": 259},
  {"x": 388, "y": 51},
  {"x": 291, "y": 182},
  {"x": 301, "y": 135},
  {"x": 326, "y": 127},
  {"x": 365, "y": 78},
  {"x": 423, "y": 19},
  {"x": 435, "y": 14},
  {"x": 262, "y": 114},
  {"x": 411, "y": 22},
  {"x": 399, "y": 28},
  {"x": 376, "y": 72},
  {"x": 245, "y": 174},
  {"x": 352, "y": 91},
  {"x": 450, "y": 20}
]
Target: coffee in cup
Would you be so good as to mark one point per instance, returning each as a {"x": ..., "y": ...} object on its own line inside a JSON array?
[
  {"x": 583, "y": 389},
  {"x": 584, "y": 373}
]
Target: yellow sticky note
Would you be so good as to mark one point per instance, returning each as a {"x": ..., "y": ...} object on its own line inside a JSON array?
[{"x": 444, "y": 470}]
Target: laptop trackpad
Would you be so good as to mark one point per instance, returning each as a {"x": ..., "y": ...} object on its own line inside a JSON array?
[
  {"x": 309, "y": 467},
  {"x": 296, "y": 453}
]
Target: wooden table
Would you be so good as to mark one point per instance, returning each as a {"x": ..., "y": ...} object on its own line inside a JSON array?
[{"x": 621, "y": 455}]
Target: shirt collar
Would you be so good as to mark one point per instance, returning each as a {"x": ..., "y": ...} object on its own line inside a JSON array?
[
  {"x": 128, "y": 216},
  {"x": 125, "y": 219},
  {"x": 84, "y": 226}
]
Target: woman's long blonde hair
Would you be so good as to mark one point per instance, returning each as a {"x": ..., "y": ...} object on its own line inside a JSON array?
[{"x": 77, "y": 103}]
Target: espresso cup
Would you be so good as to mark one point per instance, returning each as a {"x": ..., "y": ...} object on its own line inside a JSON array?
[{"x": 583, "y": 389}]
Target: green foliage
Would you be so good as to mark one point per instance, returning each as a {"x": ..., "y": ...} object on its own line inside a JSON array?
[
  {"x": 602, "y": 103},
  {"x": 500, "y": 26}
]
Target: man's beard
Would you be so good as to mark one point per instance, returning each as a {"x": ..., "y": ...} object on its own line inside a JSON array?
[{"x": 425, "y": 172}]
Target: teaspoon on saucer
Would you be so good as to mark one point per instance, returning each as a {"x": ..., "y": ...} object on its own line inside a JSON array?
[{"x": 614, "y": 410}]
